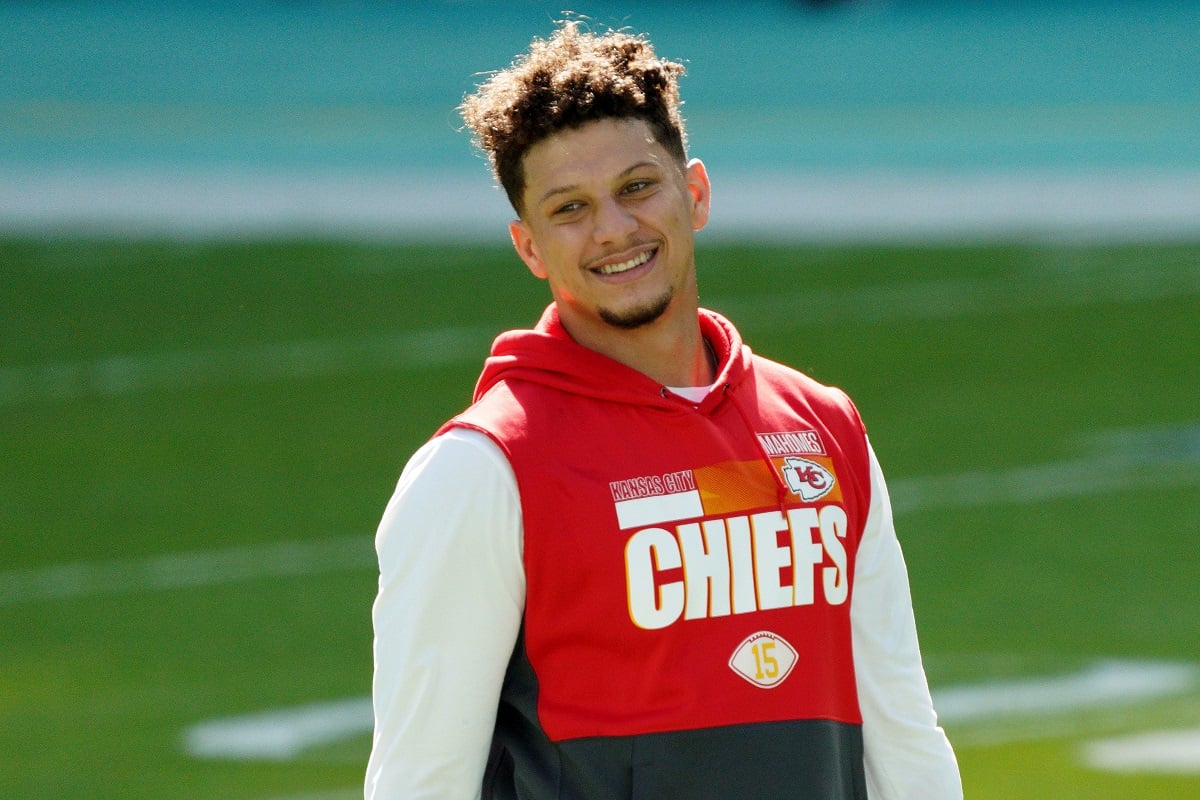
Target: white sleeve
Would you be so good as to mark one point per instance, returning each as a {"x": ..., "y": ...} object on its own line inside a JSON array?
[
  {"x": 907, "y": 756},
  {"x": 451, "y": 596}
]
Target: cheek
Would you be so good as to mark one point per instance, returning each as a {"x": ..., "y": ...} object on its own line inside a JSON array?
[
  {"x": 557, "y": 260},
  {"x": 566, "y": 244},
  {"x": 677, "y": 211}
]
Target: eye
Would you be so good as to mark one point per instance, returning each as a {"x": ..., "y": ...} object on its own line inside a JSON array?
[
  {"x": 635, "y": 186},
  {"x": 567, "y": 208}
]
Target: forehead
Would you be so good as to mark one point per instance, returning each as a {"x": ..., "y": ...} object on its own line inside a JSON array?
[{"x": 594, "y": 151}]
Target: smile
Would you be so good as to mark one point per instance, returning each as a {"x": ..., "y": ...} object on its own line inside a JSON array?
[{"x": 626, "y": 266}]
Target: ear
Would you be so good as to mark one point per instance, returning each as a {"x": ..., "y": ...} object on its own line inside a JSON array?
[
  {"x": 527, "y": 249},
  {"x": 701, "y": 192}
]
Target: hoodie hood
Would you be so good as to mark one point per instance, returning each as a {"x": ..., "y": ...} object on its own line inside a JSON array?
[{"x": 547, "y": 355}]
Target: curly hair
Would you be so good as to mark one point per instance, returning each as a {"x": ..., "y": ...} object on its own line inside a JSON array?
[{"x": 572, "y": 78}]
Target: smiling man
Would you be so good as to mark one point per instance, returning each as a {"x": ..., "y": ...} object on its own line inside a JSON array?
[
  {"x": 607, "y": 217},
  {"x": 646, "y": 562}
]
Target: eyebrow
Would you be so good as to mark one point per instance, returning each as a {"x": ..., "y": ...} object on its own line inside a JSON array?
[{"x": 572, "y": 187}]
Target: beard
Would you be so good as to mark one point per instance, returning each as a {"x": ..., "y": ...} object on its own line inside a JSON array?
[{"x": 638, "y": 316}]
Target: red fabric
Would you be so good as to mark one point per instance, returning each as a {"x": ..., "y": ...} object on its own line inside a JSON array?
[{"x": 587, "y": 437}]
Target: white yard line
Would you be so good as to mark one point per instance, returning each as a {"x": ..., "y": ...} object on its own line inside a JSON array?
[
  {"x": 1162, "y": 752},
  {"x": 1048, "y": 286},
  {"x": 353, "y": 793},
  {"x": 1100, "y": 685},
  {"x": 144, "y": 372},
  {"x": 285, "y": 734},
  {"x": 1117, "y": 461},
  {"x": 1024, "y": 485},
  {"x": 280, "y": 734},
  {"x": 192, "y": 569}
]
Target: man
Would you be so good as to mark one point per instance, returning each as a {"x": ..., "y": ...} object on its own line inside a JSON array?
[{"x": 645, "y": 563}]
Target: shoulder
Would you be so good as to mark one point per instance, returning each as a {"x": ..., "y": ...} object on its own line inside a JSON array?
[
  {"x": 458, "y": 481},
  {"x": 499, "y": 415},
  {"x": 825, "y": 400},
  {"x": 458, "y": 460},
  {"x": 516, "y": 413},
  {"x": 458, "y": 448}
]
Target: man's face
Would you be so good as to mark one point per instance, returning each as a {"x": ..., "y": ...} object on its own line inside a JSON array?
[{"x": 608, "y": 221}]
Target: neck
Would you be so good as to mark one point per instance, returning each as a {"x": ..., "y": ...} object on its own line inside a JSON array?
[{"x": 670, "y": 354}]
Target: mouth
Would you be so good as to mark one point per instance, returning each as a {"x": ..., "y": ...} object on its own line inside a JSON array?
[{"x": 622, "y": 267}]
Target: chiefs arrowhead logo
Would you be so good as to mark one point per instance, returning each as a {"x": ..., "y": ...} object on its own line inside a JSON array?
[{"x": 808, "y": 479}]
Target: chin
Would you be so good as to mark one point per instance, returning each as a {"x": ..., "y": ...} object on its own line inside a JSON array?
[{"x": 638, "y": 316}]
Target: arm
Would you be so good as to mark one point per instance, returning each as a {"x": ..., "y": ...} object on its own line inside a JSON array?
[
  {"x": 451, "y": 595},
  {"x": 907, "y": 755}
]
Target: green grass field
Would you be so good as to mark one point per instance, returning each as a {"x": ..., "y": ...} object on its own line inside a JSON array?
[{"x": 198, "y": 440}]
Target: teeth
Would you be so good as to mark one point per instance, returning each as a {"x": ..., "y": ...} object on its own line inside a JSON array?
[{"x": 613, "y": 269}]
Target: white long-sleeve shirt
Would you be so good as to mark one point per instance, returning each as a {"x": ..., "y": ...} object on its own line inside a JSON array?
[{"x": 449, "y": 610}]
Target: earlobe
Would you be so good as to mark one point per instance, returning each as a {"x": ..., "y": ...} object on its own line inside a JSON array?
[
  {"x": 701, "y": 191},
  {"x": 523, "y": 243}
]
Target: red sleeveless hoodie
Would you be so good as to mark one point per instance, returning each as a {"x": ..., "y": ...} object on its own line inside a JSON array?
[{"x": 688, "y": 576}]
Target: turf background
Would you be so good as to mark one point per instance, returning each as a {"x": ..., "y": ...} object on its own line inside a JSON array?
[{"x": 1054, "y": 343}]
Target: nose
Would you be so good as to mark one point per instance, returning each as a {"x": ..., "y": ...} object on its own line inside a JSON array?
[{"x": 612, "y": 222}]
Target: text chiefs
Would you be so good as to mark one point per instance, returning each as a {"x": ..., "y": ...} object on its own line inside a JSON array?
[{"x": 736, "y": 564}]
